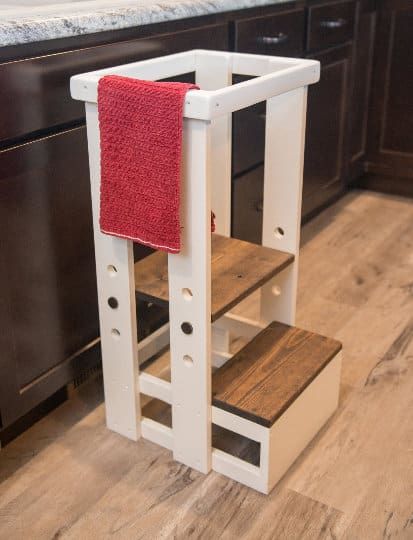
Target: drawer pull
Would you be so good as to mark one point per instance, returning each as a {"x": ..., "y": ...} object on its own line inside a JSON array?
[
  {"x": 273, "y": 40},
  {"x": 334, "y": 23}
]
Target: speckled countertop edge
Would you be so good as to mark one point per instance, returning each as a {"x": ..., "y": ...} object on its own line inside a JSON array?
[{"x": 42, "y": 23}]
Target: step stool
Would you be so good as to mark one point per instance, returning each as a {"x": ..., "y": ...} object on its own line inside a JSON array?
[{"x": 281, "y": 388}]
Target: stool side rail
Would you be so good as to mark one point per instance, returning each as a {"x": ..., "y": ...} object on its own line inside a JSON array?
[{"x": 274, "y": 76}]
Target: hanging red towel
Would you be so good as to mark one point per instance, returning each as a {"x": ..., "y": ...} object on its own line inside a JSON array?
[{"x": 141, "y": 144}]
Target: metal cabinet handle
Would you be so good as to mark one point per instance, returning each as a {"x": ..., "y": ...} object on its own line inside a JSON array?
[
  {"x": 334, "y": 23},
  {"x": 273, "y": 40}
]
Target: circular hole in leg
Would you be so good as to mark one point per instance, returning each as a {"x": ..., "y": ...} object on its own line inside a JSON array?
[
  {"x": 187, "y": 294},
  {"x": 187, "y": 327},
  {"x": 115, "y": 333},
  {"x": 276, "y": 290},
  {"x": 278, "y": 232},
  {"x": 113, "y": 302},
  {"x": 188, "y": 361},
  {"x": 112, "y": 270}
]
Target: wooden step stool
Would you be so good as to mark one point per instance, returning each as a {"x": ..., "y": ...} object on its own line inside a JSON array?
[{"x": 283, "y": 385}]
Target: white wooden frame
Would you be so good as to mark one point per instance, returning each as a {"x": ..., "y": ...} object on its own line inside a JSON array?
[{"x": 282, "y": 82}]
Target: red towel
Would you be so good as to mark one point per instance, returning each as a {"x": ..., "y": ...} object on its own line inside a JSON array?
[{"x": 141, "y": 144}]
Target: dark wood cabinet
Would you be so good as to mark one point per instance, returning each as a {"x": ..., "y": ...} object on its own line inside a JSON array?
[
  {"x": 330, "y": 24},
  {"x": 48, "y": 313},
  {"x": 330, "y": 29},
  {"x": 361, "y": 72},
  {"x": 325, "y": 150},
  {"x": 278, "y": 35},
  {"x": 281, "y": 34},
  {"x": 390, "y": 146}
]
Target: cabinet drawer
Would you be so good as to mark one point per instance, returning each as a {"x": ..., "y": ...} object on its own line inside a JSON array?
[
  {"x": 35, "y": 93},
  {"x": 330, "y": 24},
  {"x": 247, "y": 197},
  {"x": 281, "y": 34}
]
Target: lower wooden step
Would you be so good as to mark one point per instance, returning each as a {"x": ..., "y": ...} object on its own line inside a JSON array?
[{"x": 264, "y": 378}]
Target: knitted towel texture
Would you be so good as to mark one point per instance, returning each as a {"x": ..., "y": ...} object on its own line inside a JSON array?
[{"x": 141, "y": 146}]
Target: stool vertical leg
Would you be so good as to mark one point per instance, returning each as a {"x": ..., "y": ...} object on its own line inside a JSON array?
[
  {"x": 214, "y": 72},
  {"x": 283, "y": 178},
  {"x": 115, "y": 278},
  {"x": 190, "y": 302}
]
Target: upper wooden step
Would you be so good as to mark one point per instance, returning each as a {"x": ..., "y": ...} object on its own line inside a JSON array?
[
  {"x": 265, "y": 377},
  {"x": 237, "y": 268}
]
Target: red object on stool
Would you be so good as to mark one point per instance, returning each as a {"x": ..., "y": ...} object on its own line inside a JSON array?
[{"x": 141, "y": 148}]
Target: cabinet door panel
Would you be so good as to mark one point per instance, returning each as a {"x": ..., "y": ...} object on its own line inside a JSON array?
[
  {"x": 325, "y": 133},
  {"x": 390, "y": 141},
  {"x": 47, "y": 261},
  {"x": 247, "y": 197}
]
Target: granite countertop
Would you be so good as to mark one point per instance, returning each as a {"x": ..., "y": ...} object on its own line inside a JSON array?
[{"x": 26, "y": 21}]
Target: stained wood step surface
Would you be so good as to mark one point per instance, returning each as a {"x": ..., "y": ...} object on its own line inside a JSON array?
[
  {"x": 265, "y": 377},
  {"x": 238, "y": 268}
]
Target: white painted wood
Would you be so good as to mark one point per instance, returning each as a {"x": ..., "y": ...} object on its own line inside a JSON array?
[
  {"x": 221, "y": 341},
  {"x": 237, "y": 424},
  {"x": 240, "y": 326},
  {"x": 283, "y": 179},
  {"x": 219, "y": 358},
  {"x": 191, "y": 269},
  {"x": 213, "y": 71},
  {"x": 302, "y": 420},
  {"x": 155, "y": 387},
  {"x": 118, "y": 327},
  {"x": 266, "y": 461},
  {"x": 287, "y": 438},
  {"x": 203, "y": 104},
  {"x": 157, "y": 433},
  {"x": 238, "y": 470},
  {"x": 258, "y": 65},
  {"x": 206, "y": 175},
  {"x": 84, "y": 86},
  {"x": 153, "y": 344}
]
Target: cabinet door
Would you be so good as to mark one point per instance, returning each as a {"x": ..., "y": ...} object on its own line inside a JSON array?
[
  {"x": 390, "y": 152},
  {"x": 48, "y": 312},
  {"x": 363, "y": 48},
  {"x": 325, "y": 134}
]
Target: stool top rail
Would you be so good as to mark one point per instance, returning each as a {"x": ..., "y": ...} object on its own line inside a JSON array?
[{"x": 273, "y": 76}]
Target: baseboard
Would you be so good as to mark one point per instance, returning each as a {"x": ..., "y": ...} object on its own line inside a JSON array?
[{"x": 393, "y": 185}]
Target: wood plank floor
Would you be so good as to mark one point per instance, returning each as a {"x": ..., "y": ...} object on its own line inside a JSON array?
[{"x": 68, "y": 477}]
